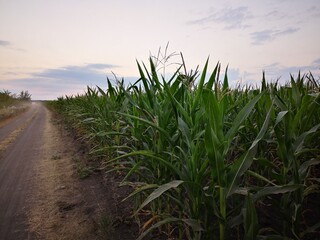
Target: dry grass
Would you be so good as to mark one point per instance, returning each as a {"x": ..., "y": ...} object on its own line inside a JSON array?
[{"x": 13, "y": 110}]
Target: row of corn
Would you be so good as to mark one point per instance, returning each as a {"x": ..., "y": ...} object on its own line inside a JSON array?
[{"x": 207, "y": 161}]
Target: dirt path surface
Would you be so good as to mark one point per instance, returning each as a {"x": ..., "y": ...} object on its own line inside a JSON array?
[
  {"x": 17, "y": 169},
  {"x": 41, "y": 195}
]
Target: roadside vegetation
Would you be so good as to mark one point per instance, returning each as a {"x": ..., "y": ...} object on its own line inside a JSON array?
[
  {"x": 12, "y": 104},
  {"x": 206, "y": 161}
]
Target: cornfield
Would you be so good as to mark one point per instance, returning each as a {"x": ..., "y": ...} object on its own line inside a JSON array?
[{"x": 207, "y": 161}]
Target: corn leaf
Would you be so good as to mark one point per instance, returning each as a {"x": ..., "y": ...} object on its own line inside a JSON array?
[
  {"x": 242, "y": 115},
  {"x": 275, "y": 190},
  {"x": 245, "y": 162},
  {"x": 159, "y": 191},
  {"x": 192, "y": 223}
]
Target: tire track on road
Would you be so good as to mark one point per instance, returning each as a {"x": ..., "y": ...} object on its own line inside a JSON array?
[
  {"x": 9, "y": 139},
  {"x": 9, "y": 125}
]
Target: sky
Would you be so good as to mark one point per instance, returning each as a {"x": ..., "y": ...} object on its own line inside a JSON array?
[{"x": 57, "y": 48}]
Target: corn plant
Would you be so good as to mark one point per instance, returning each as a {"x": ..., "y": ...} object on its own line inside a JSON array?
[
  {"x": 293, "y": 129},
  {"x": 202, "y": 158}
]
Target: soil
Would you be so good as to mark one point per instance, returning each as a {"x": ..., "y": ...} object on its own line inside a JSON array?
[{"x": 41, "y": 193}]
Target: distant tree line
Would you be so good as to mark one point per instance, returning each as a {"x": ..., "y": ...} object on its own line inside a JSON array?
[{"x": 6, "y": 95}]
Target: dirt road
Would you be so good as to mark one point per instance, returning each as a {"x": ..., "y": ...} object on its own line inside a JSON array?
[
  {"x": 41, "y": 194},
  {"x": 20, "y": 148}
]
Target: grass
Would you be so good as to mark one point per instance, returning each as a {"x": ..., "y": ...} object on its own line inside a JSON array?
[
  {"x": 106, "y": 226},
  {"x": 206, "y": 161},
  {"x": 11, "y": 105},
  {"x": 84, "y": 171}
]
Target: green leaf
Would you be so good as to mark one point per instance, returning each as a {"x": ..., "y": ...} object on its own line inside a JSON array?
[
  {"x": 238, "y": 169},
  {"x": 240, "y": 166},
  {"x": 163, "y": 131},
  {"x": 131, "y": 171},
  {"x": 295, "y": 92},
  {"x": 192, "y": 223},
  {"x": 159, "y": 191},
  {"x": 184, "y": 130},
  {"x": 101, "y": 91},
  {"x": 103, "y": 134},
  {"x": 139, "y": 190},
  {"x": 258, "y": 176},
  {"x": 242, "y": 115},
  {"x": 297, "y": 145},
  {"x": 154, "y": 73},
  {"x": 212, "y": 78},
  {"x": 250, "y": 221},
  {"x": 280, "y": 103},
  {"x": 305, "y": 166},
  {"x": 150, "y": 154},
  {"x": 200, "y": 87},
  {"x": 275, "y": 190},
  {"x": 280, "y": 116},
  {"x": 214, "y": 113},
  {"x": 145, "y": 84},
  {"x": 216, "y": 160},
  {"x": 177, "y": 104},
  {"x": 225, "y": 81}
]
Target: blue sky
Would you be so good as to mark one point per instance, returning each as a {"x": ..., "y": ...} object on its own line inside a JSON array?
[{"x": 55, "y": 48}]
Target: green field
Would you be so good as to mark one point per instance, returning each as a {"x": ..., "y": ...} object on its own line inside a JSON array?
[{"x": 207, "y": 161}]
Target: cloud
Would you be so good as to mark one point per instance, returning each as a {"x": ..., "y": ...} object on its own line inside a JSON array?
[
  {"x": 4, "y": 43},
  {"x": 277, "y": 71},
  {"x": 68, "y": 80},
  {"x": 275, "y": 15},
  {"x": 317, "y": 62},
  {"x": 100, "y": 66},
  {"x": 314, "y": 12},
  {"x": 273, "y": 72},
  {"x": 8, "y": 45},
  {"x": 231, "y": 18},
  {"x": 76, "y": 74},
  {"x": 269, "y": 35}
]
